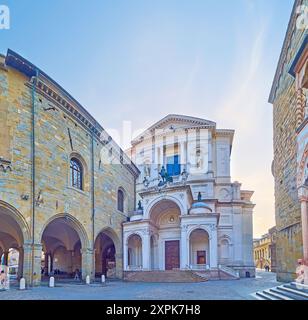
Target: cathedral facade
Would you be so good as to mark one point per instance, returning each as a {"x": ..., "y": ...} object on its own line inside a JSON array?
[{"x": 190, "y": 215}]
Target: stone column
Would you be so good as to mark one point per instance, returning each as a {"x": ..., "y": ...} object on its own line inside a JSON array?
[
  {"x": 184, "y": 258},
  {"x": 161, "y": 156},
  {"x": 146, "y": 251},
  {"x": 6, "y": 257},
  {"x": 125, "y": 255},
  {"x": 210, "y": 155},
  {"x": 46, "y": 263},
  {"x": 87, "y": 262},
  {"x": 304, "y": 215},
  {"x": 213, "y": 247},
  {"x": 182, "y": 155},
  {"x": 27, "y": 262},
  {"x": 237, "y": 235},
  {"x": 71, "y": 255},
  {"x": 51, "y": 263},
  {"x": 20, "y": 262},
  {"x": 156, "y": 161},
  {"x": 119, "y": 265},
  {"x": 37, "y": 264}
]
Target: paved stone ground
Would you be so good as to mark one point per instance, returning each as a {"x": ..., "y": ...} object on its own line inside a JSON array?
[{"x": 119, "y": 290}]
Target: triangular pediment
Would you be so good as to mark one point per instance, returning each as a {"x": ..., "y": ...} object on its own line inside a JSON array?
[{"x": 173, "y": 122}]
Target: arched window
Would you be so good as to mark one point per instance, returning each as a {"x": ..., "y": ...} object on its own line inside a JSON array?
[
  {"x": 76, "y": 173},
  {"x": 120, "y": 200},
  {"x": 224, "y": 247}
]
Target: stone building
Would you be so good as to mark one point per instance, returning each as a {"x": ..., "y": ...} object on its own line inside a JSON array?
[
  {"x": 265, "y": 251},
  {"x": 65, "y": 186},
  {"x": 273, "y": 248},
  {"x": 288, "y": 96},
  {"x": 190, "y": 216}
]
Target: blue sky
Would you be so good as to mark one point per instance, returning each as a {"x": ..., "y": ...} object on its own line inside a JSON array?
[{"x": 133, "y": 60}]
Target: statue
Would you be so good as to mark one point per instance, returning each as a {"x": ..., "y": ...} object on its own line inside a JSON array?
[
  {"x": 147, "y": 170},
  {"x": 199, "y": 197},
  {"x": 146, "y": 182},
  {"x": 184, "y": 175},
  {"x": 140, "y": 206},
  {"x": 165, "y": 177},
  {"x": 163, "y": 173}
]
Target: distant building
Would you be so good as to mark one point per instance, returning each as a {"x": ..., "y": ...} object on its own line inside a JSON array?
[
  {"x": 265, "y": 251},
  {"x": 273, "y": 235}
]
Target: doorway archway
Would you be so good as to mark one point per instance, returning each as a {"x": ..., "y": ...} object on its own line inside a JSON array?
[
  {"x": 63, "y": 239},
  {"x": 107, "y": 254},
  {"x": 199, "y": 249}
]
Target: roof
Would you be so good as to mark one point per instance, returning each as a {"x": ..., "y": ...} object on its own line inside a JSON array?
[
  {"x": 284, "y": 51},
  {"x": 188, "y": 122}
]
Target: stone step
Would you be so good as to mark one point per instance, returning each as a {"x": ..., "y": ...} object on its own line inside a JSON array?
[
  {"x": 162, "y": 276},
  {"x": 279, "y": 295},
  {"x": 302, "y": 287},
  {"x": 283, "y": 292},
  {"x": 293, "y": 292},
  {"x": 175, "y": 276},
  {"x": 262, "y": 295}
]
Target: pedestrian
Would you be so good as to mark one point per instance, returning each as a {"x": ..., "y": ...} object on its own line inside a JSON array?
[
  {"x": 300, "y": 272},
  {"x": 3, "y": 280},
  {"x": 76, "y": 275}
]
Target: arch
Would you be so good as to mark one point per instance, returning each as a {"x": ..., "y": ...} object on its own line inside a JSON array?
[
  {"x": 224, "y": 249},
  {"x": 121, "y": 196},
  {"x": 18, "y": 218},
  {"x": 132, "y": 233},
  {"x": 73, "y": 223},
  {"x": 83, "y": 163},
  {"x": 107, "y": 247},
  {"x": 63, "y": 237},
  {"x": 225, "y": 237},
  {"x": 162, "y": 198},
  {"x": 76, "y": 174},
  {"x": 80, "y": 158},
  {"x": 196, "y": 227},
  {"x": 199, "y": 248},
  {"x": 134, "y": 251},
  {"x": 111, "y": 234}
]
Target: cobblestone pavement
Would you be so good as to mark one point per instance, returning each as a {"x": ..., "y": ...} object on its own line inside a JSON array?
[{"x": 119, "y": 290}]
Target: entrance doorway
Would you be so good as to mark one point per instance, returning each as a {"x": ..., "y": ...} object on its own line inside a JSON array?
[{"x": 172, "y": 255}]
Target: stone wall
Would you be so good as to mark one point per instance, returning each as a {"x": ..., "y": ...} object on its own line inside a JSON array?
[
  {"x": 53, "y": 150},
  {"x": 287, "y": 206}
]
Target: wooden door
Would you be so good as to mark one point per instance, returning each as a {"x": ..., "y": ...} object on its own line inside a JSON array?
[{"x": 172, "y": 254}]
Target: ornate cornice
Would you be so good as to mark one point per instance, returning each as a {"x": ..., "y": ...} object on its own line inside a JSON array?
[
  {"x": 52, "y": 91},
  {"x": 284, "y": 51}
]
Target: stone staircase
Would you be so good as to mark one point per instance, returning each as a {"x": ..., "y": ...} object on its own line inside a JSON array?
[
  {"x": 176, "y": 276},
  {"x": 291, "y": 291},
  {"x": 228, "y": 273}
]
